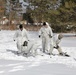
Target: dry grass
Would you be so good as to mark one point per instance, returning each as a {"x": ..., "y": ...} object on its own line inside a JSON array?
[{"x": 13, "y": 27}]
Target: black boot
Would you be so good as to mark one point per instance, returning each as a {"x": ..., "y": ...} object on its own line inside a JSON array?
[{"x": 64, "y": 54}]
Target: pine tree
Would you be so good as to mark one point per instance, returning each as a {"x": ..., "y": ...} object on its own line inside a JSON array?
[{"x": 40, "y": 9}]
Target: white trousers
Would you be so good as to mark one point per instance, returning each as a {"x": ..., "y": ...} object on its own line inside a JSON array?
[{"x": 45, "y": 43}]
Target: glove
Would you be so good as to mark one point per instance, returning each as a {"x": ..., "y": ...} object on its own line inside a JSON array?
[
  {"x": 50, "y": 36},
  {"x": 39, "y": 36},
  {"x": 14, "y": 40},
  {"x": 56, "y": 47}
]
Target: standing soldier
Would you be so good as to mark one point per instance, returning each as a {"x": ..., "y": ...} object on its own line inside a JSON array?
[
  {"x": 46, "y": 33},
  {"x": 21, "y": 36},
  {"x": 24, "y": 45}
]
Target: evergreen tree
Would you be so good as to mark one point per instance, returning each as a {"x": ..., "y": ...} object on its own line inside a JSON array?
[{"x": 40, "y": 9}]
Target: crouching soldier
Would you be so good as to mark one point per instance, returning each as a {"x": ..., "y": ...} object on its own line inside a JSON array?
[
  {"x": 56, "y": 41},
  {"x": 30, "y": 48}
]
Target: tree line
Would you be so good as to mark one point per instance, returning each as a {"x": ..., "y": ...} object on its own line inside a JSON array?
[{"x": 61, "y": 14}]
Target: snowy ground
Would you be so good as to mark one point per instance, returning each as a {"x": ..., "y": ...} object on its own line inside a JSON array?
[{"x": 11, "y": 64}]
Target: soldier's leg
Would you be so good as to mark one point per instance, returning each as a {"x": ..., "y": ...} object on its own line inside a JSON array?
[
  {"x": 43, "y": 44},
  {"x": 47, "y": 44},
  {"x": 19, "y": 47},
  {"x": 51, "y": 49},
  {"x": 19, "y": 44},
  {"x": 34, "y": 49},
  {"x": 62, "y": 53},
  {"x": 59, "y": 49}
]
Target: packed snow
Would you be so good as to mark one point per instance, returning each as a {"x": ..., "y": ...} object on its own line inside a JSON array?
[{"x": 12, "y": 64}]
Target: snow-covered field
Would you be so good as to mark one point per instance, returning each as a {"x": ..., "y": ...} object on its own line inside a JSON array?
[{"x": 12, "y": 64}]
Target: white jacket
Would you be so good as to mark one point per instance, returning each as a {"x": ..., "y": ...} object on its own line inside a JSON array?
[
  {"x": 21, "y": 36},
  {"x": 45, "y": 32}
]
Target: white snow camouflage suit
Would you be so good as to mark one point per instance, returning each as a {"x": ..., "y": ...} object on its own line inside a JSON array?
[
  {"x": 44, "y": 33},
  {"x": 21, "y": 37}
]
